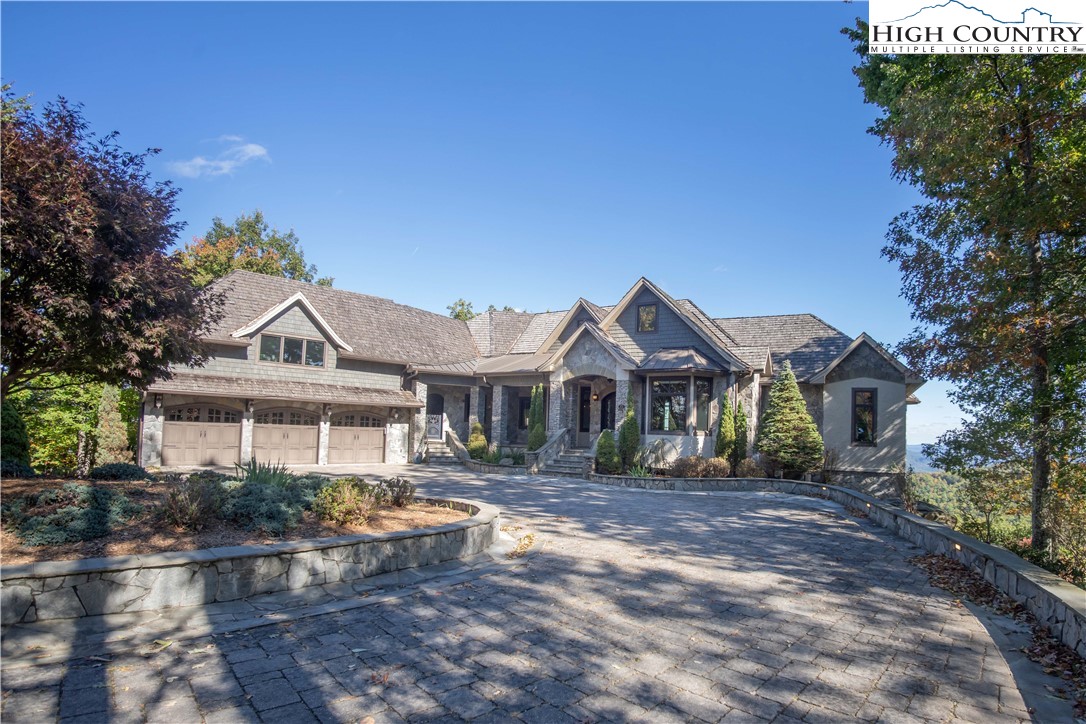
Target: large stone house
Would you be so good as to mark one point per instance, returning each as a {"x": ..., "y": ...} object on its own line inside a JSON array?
[{"x": 300, "y": 373}]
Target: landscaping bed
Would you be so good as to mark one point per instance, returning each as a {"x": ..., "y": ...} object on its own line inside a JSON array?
[{"x": 148, "y": 531}]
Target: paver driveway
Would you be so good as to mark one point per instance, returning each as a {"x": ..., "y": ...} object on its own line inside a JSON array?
[{"x": 641, "y": 606}]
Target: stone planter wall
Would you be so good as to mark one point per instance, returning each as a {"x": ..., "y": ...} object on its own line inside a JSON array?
[
  {"x": 479, "y": 467},
  {"x": 1057, "y": 604},
  {"x": 95, "y": 586}
]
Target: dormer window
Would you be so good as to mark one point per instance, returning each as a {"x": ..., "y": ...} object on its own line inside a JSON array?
[
  {"x": 646, "y": 318},
  {"x": 291, "y": 350}
]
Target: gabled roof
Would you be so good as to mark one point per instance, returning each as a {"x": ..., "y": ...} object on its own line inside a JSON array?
[
  {"x": 582, "y": 303},
  {"x": 374, "y": 328},
  {"x": 803, "y": 339},
  {"x": 605, "y": 340},
  {"x": 702, "y": 328},
  {"x": 681, "y": 359},
  {"x": 759, "y": 358},
  {"x": 297, "y": 298},
  {"x": 864, "y": 338}
]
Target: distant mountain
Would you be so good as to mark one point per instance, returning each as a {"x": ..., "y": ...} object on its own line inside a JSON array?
[{"x": 914, "y": 458}]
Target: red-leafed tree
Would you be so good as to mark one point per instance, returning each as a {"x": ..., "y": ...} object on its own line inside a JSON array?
[{"x": 88, "y": 289}]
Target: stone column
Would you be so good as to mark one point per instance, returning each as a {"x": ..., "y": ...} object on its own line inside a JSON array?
[
  {"x": 151, "y": 448},
  {"x": 418, "y": 428},
  {"x": 475, "y": 410},
  {"x": 555, "y": 392},
  {"x": 594, "y": 413},
  {"x": 246, "y": 451},
  {"x": 622, "y": 393},
  {"x": 497, "y": 416},
  {"x": 322, "y": 435}
]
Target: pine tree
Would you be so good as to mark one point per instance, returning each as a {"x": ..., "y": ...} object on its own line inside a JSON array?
[
  {"x": 607, "y": 461},
  {"x": 787, "y": 437},
  {"x": 112, "y": 435},
  {"x": 14, "y": 443},
  {"x": 739, "y": 449},
  {"x": 629, "y": 437},
  {"x": 725, "y": 436}
]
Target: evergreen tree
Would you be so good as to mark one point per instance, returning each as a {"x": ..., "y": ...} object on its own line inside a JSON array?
[
  {"x": 14, "y": 443},
  {"x": 629, "y": 437},
  {"x": 607, "y": 461},
  {"x": 477, "y": 445},
  {"x": 725, "y": 436},
  {"x": 788, "y": 438},
  {"x": 739, "y": 450},
  {"x": 537, "y": 430},
  {"x": 112, "y": 434}
]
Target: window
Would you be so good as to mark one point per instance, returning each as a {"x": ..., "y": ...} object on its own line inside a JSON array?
[
  {"x": 184, "y": 414},
  {"x": 291, "y": 350},
  {"x": 668, "y": 405},
  {"x": 646, "y": 318},
  {"x": 352, "y": 420},
  {"x": 216, "y": 415},
  {"x": 467, "y": 406},
  {"x": 864, "y": 416},
  {"x": 703, "y": 389}
]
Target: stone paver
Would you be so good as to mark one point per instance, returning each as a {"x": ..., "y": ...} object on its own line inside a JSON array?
[{"x": 639, "y": 607}]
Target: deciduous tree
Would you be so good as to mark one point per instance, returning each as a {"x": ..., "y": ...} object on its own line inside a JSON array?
[
  {"x": 994, "y": 262},
  {"x": 248, "y": 244},
  {"x": 88, "y": 289},
  {"x": 461, "y": 309}
]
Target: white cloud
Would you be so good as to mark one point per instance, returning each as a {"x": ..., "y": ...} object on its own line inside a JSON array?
[{"x": 236, "y": 154}]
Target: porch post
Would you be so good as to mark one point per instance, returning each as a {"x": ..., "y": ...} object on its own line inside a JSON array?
[
  {"x": 246, "y": 452},
  {"x": 497, "y": 415},
  {"x": 473, "y": 403},
  {"x": 322, "y": 435},
  {"x": 555, "y": 393},
  {"x": 151, "y": 443}
]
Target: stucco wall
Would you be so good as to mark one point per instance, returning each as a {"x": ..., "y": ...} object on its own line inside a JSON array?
[{"x": 889, "y": 448}]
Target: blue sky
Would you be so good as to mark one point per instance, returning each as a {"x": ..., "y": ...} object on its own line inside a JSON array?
[{"x": 521, "y": 154}]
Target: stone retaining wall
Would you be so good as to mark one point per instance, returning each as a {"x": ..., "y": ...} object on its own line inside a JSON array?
[
  {"x": 1057, "y": 604},
  {"x": 480, "y": 467},
  {"x": 95, "y": 586}
]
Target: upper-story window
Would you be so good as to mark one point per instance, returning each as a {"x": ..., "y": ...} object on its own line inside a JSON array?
[
  {"x": 864, "y": 416},
  {"x": 291, "y": 350},
  {"x": 646, "y": 318}
]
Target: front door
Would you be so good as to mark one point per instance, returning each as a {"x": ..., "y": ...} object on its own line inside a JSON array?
[
  {"x": 584, "y": 416},
  {"x": 435, "y": 417}
]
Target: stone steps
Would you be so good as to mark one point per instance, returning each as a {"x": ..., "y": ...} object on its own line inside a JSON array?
[
  {"x": 567, "y": 465},
  {"x": 440, "y": 454}
]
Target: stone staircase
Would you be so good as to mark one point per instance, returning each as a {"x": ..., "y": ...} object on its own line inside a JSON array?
[
  {"x": 568, "y": 464},
  {"x": 440, "y": 454}
]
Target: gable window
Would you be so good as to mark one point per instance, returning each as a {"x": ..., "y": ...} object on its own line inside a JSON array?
[
  {"x": 703, "y": 394},
  {"x": 291, "y": 350},
  {"x": 646, "y": 318},
  {"x": 668, "y": 410},
  {"x": 864, "y": 416}
]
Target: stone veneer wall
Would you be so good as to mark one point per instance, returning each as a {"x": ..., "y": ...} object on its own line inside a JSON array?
[
  {"x": 1057, "y": 604},
  {"x": 96, "y": 586}
]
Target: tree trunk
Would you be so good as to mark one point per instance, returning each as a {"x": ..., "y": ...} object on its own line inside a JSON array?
[
  {"x": 1041, "y": 393},
  {"x": 83, "y": 455}
]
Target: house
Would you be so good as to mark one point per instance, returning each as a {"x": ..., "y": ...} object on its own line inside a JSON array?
[{"x": 300, "y": 373}]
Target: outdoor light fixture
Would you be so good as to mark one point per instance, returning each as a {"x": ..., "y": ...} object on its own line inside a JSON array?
[
  {"x": 957, "y": 546},
  {"x": 595, "y": 396}
]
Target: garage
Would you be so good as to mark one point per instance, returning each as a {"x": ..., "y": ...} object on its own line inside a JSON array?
[
  {"x": 285, "y": 436},
  {"x": 356, "y": 437},
  {"x": 201, "y": 435}
]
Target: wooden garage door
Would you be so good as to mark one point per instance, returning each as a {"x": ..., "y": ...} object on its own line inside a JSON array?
[
  {"x": 285, "y": 436},
  {"x": 201, "y": 435},
  {"x": 356, "y": 438}
]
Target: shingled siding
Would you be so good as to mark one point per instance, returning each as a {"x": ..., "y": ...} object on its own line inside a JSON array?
[
  {"x": 671, "y": 330},
  {"x": 245, "y": 362}
]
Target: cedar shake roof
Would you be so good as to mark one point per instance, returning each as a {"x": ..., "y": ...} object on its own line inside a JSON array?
[
  {"x": 537, "y": 331},
  {"x": 495, "y": 332},
  {"x": 376, "y": 328},
  {"x": 803, "y": 339},
  {"x": 269, "y": 389}
]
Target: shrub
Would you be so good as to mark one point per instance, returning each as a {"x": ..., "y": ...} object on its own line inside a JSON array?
[
  {"x": 688, "y": 467},
  {"x": 14, "y": 442},
  {"x": 398, "y": 491},
  {"x": 14, "y": 469},
  {"x": 477, "y": 445},
  {"x": 739, "y": 449},
  {"x": 270, "y": 508},
  {"x": 192, "y": 503},
  {"x": 725, "y": 434},
  {"x": 537, "y": 438},
  {"x": 629, "y": 437},
  {"x": 347, "y": 501},
  {"x": 72, "y": 513},
  {"x": 207, "y": 476},
  {"x": 119, "y": 471},
  {"x": 639, "y": 471},
  {"x": 493, "y": 457},
  {"x": 607, "y": 461},
  {"x": 268, "y": 473},
  {"x": 749, "y": 468},
  {"x": 716, "y": 468}
]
